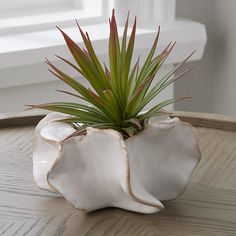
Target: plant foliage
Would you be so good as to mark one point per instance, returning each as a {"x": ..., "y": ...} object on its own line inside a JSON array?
[{"x": 118, "y": 93}]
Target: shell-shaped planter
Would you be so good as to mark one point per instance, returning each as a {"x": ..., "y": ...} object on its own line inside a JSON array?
[{"x": 101, "y": 169}]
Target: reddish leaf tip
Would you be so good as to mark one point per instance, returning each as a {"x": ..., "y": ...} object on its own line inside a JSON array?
[
  {"x": 183, "y": 98},
  {"x": 80, "y": 29},
  {"x": 58, "y": 28},
  {"x": 30, "y": 107},
  {"x": 77, "y": 23}
]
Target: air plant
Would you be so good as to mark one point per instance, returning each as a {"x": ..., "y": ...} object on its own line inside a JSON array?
[{"x": 118, "y": 93}]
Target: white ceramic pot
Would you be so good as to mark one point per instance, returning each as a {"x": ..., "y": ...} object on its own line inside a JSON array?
[{"x": 101, "y": 169}]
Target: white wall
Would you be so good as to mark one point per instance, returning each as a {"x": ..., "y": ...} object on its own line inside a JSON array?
[
  {"x": 213, "y": 83},
  {"x": 224, "y": 93}
]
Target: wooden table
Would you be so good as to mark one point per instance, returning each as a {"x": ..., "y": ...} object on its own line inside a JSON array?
[{"x": 208, "y": 206}]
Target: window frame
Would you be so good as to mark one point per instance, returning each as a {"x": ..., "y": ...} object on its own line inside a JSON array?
[
  {"x": 149, "y": 13},
  {"x": 21, "y": 5},
  {"x": 20, "y": 23}
]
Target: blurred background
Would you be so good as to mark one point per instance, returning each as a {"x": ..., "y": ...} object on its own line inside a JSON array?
[
  {"x": 213, "y": 82},
  {"x": 28, "y": 35}
]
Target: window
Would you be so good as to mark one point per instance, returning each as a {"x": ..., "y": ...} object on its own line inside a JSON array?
[
  {"x": 149, "y": 12},
  {"x": 12, "y": 5},
  {"x": 32, "y": 35},
  {"x": 28, "y": 15}
]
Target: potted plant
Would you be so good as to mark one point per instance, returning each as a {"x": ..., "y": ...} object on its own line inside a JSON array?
[{"x": 106, "y": 152}]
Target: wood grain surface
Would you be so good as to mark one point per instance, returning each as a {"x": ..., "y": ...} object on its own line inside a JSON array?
[{"x": 208, "y": 206}]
